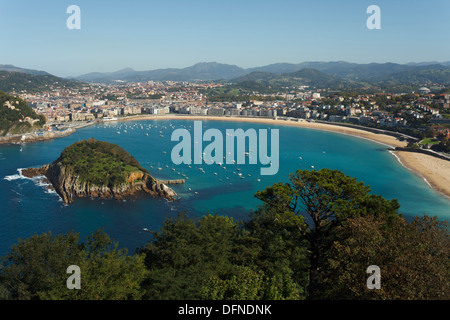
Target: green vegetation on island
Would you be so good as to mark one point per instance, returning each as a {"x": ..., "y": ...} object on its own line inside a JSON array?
[
  {"x": 98, "y": 169},
  {"x": 16, "y": 116},
  {"x": 99, "y": 162},
  {"x": 313, "y": 238}
]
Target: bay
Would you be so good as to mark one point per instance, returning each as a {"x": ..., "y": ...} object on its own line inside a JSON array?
[{"x": 27, "y": 207}]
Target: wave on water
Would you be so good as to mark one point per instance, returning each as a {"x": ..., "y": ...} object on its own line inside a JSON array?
[
  {"x": 16, "y": 176},
  {"x": 17, "y": 193},
  {"x": 415, "y": 172},
  {"x": 38, "y": 181},
  {"x": 51, "y": 191},
  {"x": 12, "y": 177}
]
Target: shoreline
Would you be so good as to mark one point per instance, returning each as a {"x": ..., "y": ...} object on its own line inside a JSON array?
[
  {"x": 42, "y": 136},
  {"x": 384, "y": 139},
  {"x": 431, "y": 169},
  {"x": 434, "y": 171},
  {"x": 35, "y": 137}
]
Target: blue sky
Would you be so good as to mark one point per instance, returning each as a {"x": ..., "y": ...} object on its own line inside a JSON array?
[{"x": 149, "y": 34}]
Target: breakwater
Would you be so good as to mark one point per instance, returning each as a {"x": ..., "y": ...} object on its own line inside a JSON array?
[
  {"x": 36, "y": 136},
  {"x": 174, "y": 181},
  {"x": 424, "y": 151}
]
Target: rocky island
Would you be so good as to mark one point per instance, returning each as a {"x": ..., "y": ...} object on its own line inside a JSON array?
[{"x": 91, "y": 168}]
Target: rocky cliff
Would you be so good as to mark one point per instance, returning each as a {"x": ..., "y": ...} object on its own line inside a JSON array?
[{"x": 70, "y": 186}]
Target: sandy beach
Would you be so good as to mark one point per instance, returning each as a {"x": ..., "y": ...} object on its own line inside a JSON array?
[
  {"x": 435, "y": 171},
  {"x": 381, "y": 138}
]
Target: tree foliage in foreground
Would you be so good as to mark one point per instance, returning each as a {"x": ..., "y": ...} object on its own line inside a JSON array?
[
  {"x": 35, "y": 268},
  {"x": 215, "y": 258},
  {"x": 414, "y": 259},
  {"x": 318, "y": 202},
  {"x": 312, "y": 238}
]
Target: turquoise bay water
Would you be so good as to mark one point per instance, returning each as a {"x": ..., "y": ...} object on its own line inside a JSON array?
[{"x": 27, "y": 207}]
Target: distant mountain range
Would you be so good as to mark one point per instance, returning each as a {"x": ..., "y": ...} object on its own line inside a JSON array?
[
  {"x": 334, "y": 74},
  {"x": 199, "y": 71},
  {"x": 372, "y": 72},
  {"x": 356, "y": 72}
]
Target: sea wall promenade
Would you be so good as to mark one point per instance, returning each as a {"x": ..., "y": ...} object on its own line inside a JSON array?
[
  {"x": 43, "y": 135},
  {"x": 36, "y": 136},
  {"x": 425, "y": 151}
]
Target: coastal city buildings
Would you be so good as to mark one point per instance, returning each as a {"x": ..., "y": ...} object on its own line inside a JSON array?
[{"x": 100, "y": 102}]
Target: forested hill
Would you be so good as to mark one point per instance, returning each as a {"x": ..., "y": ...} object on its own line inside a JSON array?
[
  {"x": 264, "y": 81},
  {"x": 16, "y": 116},
  {"x": 20, "y": 81}
]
